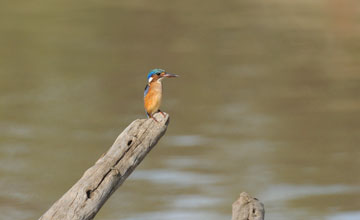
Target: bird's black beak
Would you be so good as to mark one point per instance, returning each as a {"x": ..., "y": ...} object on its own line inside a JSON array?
[{"x": 170, "y": 75}]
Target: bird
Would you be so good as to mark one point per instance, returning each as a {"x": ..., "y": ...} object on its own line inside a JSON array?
[{"x": 153, "y": 91}]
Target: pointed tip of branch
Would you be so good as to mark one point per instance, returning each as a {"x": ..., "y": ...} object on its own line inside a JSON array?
[{"x": 161, "y": 119}]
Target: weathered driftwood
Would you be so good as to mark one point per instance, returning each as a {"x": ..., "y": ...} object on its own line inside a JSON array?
[
  {"x": 247, "y": 208},
  {"x": 88, "y": 195}
]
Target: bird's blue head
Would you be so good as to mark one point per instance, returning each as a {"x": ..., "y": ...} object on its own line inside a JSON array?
[{"x": 158, "y": 74}]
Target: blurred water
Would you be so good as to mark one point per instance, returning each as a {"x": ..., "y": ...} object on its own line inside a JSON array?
[{"x": 267, "y": 103}]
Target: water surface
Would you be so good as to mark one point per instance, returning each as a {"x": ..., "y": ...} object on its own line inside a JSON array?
[{"x": 267, "y": 103}]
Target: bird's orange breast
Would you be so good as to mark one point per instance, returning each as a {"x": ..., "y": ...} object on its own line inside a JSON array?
[{"x": 152, "y": 100}]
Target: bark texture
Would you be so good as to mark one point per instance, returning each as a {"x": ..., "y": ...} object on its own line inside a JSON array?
[
  {"x": 84, "y": 199},
  {"x": 247, "y": 208}
]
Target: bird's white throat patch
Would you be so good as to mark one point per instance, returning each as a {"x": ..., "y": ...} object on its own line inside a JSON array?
[{"x": 150, "y": 79}]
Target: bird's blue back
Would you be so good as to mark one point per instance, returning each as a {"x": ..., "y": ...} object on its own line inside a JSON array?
[{"x": 146, "y": 90}]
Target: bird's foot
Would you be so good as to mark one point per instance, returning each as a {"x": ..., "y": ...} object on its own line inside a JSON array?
[
  {"x": 161, "y": 113},
  {"x": 154, "y": 119}
]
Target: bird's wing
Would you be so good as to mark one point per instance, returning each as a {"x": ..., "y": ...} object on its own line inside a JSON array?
[
  {"x": 145, "y": 93},
  {"x": 146, "y": 90}
]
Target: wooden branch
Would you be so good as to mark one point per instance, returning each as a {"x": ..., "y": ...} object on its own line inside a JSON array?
[
  {"x": 247, "y": 208},
  {"x": 88, "y": 195}
]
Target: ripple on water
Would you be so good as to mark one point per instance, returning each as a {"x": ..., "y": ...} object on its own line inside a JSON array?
[
  {"x": 179, "y": 215},
  {"x": 195, "y": 201},
  {"x": 180, "y": 178},
  {"x": 187, "y": 140},
  {"x": 183, "y": 162},
  {"x": 345, "y": 216},
  {"x": 289, "y": 192}
]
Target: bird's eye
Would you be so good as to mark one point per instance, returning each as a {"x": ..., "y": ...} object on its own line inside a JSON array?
[{"x": 158, "y": 74}]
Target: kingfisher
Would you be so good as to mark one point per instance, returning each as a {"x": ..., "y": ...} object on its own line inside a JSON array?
[{"x": 153, "y": 91}]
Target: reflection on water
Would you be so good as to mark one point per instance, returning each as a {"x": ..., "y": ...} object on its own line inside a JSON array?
[{"x": 267, "y": 103}]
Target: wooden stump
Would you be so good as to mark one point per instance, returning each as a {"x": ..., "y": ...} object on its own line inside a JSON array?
[
  {"x": 84, "y": 199},
  {"x": 247, "y": 208}
]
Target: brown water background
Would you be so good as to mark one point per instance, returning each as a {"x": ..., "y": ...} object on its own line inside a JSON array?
[{"x": 267, "y": 103}]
